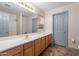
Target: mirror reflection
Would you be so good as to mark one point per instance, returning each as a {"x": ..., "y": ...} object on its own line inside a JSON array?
[{"x": 15, "y": 20}]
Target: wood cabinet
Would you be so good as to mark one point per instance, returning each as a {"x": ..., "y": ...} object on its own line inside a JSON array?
[
  {"x": 43, "y": 42},
  {"x": 29, "y": 49},
  {"x": 37, "y": 47},
  {"x": 17, "y": 51},
  {"x": 50, "y": 39},
  {"x": 47, "y": 41}
]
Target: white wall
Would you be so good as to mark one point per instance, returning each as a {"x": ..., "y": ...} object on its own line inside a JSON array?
[
  {"x": 24, "y": 24},
  {"x": 29, "y": 29},
  {"x": 38, "y": 10},
  {"x": 73, "y": 28}
]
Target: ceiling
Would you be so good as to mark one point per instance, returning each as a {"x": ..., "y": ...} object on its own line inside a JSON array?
[
  {"x": 46, "y": 6},
  {"x": 13, "y": 8}
]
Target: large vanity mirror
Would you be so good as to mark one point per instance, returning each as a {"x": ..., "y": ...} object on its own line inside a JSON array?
[{"x": 15, "y": 20}]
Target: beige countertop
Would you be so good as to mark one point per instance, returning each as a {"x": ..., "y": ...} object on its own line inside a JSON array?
[{"x": 13, "y": 41}]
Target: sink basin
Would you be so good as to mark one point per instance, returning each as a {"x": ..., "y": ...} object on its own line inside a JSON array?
[
  {"x": 12, "y": 41},
  {"x": 6, "y": 44}
]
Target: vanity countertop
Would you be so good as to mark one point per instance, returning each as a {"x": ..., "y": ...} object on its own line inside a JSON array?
[{"x": 13, "y": 41}]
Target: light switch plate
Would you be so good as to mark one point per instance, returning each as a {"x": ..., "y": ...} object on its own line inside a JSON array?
[
  {"x": 78, "y": 46},
  {"x": 73, "y": 40}
]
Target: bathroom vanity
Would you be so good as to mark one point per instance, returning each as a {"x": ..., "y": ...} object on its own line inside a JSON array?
[
  {"x": 22, "y": 32},
  {"x": 26, "y": 46}
]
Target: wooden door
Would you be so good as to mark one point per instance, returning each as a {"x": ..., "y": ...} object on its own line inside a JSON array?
[
  {"x": 37, "y": 47},
  {"x": 43, "y": 43},
  {"x": 29, "y": 49}
]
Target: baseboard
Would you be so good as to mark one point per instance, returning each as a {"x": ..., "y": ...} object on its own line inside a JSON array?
[{"x": 77, "y": 49}]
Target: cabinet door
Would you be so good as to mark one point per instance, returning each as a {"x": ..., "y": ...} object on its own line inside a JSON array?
[
  {"x": 43, "y": 43},
  {"x": 29, "y": 49},
  {"x": 37, "y": 47},
  {"x": 47, "y": 41},
  {"x": 50, "y": 39},
  {"x": 17, "y": 51}
]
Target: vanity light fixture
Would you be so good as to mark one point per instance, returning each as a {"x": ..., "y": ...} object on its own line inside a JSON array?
[{"x": 26, "y": 5}]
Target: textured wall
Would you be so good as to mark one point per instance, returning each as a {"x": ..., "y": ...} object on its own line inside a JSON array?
[{"x": 73, "y": 28}]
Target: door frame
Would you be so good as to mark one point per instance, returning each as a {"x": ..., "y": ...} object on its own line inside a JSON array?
[
  {"x": 4, "y": 14},
  {"x": 67, "y": 24},
  {"x": 33, "y": 24}
]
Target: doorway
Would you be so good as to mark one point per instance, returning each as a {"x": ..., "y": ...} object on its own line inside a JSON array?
[
  {"x": 4, "y": 24},
  {"x": 60, "y": 28},
  {"x": 34, "y": 25}
]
